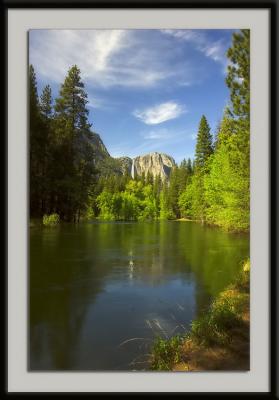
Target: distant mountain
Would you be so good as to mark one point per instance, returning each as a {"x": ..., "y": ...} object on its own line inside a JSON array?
[
  {"x": 104, "y": 163},
  {"x": 154, "y": 163},
  {"x": 100, "y": 149},
  {"x": 125, "y": 164}
]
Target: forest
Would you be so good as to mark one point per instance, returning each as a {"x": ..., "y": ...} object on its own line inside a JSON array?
[{"x": 212, "y": 188}]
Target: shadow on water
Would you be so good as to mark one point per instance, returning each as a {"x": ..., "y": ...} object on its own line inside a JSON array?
[{"x": 100, "y": 292}]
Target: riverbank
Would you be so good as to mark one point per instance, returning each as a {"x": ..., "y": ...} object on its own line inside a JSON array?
[
  {"x": 218, "y": 340},
  {"x": 185, "y": 219}
]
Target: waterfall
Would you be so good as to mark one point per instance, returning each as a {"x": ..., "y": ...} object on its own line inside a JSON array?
[{"x": 133, "y": 169}]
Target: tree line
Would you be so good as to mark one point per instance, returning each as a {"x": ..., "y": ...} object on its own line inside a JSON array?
[
  {"x": 144, "y": 197},
  {"x": 62, "y": 166},
  {"x": 213, "y": 188},
  {"x": 219, "y": 191}
]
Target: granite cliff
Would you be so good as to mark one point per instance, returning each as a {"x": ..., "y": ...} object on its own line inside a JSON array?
[{"x": 155, "y": 163}]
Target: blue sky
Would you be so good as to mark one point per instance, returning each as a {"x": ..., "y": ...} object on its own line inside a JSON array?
[{"x": 147, "y": 89}]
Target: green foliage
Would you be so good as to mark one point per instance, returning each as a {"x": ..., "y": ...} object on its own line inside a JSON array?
[
  {"x": 61, "y": 158},
  {"x": 136, "y": 202},
  {"x": 192, "y": 200},
  {"x": 225, "y": 313},
  {"x": 216, "y": 326},
  {"x": 51, "y": 220},
  {"x": 243, "y": 279},
  {"x": 219, "y": 190},
  {"x": 238, "y": 77},
  {"x": 227, "y": 187},
  {"x": 37, "y": 149},
  {"x": 89, "y": 214},
  {"x": 46, "y": 102},
  {"x": 185, "y": 202},
  {"x": 165, "y": 209},
  {"x": 165, "y": 353},
  {"x": 204, "y": 147}
]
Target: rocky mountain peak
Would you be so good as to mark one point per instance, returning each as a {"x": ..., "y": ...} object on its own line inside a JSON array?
[{"x": 154, "y": 163}]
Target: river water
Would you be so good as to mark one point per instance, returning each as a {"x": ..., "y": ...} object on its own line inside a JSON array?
[{"x": 101, "y": 292}]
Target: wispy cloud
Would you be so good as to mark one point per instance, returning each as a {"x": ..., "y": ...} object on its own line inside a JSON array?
[
  {"x": 97, "y": 102},
  {"x": 54, "y": 51},
  {"x": 158, "y": 139},
  {"x": 157, "y": 134},
  {"x": 145, "y": 147},
  {"x": 216, "y": 50},
  {"x": 107, "y": 58},
  {"x": 160, "y": 113}
]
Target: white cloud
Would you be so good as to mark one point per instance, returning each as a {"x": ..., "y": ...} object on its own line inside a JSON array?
[
  {"x": 215, "y": 50},
  {"x": 193, "y": 136},
  {"x": 107, "y": 58},
  {"x": 53, "y": 52},
  {"x": 160, "y": 113}
]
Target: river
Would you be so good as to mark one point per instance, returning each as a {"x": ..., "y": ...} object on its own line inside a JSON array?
[{"x": 100, "y": 292}]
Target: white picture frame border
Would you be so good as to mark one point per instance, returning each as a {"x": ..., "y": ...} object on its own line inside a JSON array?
[{"x": 20, "y": 21}]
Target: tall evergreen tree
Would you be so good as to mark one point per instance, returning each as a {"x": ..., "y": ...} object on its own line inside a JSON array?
[
  {"x": 204, "y": 146},
  {"x": 192, "y": 201},
  {"x": 238, "y": 77},
  {"x": 70, "y": 106},
  {"x": 73, "y": 138},
  {"x": 189, "y": 167},
  {"x": 48, "y": 165},
  {"x": 36, "y": 147},
  {"x": 46, "y": 102},
  {"x": 227, "y": 185}
]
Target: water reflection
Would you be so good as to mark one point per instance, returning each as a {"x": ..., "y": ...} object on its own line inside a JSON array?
[{"x": 95, "y": 286}]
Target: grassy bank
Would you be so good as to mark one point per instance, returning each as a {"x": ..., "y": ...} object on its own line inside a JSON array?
[{"x": 218, "y": 340}]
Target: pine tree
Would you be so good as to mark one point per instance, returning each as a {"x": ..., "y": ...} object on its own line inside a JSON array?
[
  {"x": 238, "y": 77},
  {"x": 192, "y": 200},
  {"x": 204, "y": 144},
  {"x": 165, "y": 207},
  {"x": 36, "y": 147},
  {"x": 189, "y": 167},
  {"x": 183, "y": 163},
  {"x": 174, "y": 191},
  {"x": 47, "y": 160},
  {"x": 73, "y": 142},
  {"x": 46, "y": 102},
  {"x": 33, "y": 96},
  {"x": 227, "y": 184},
  {"x": 70, "y": 107},
  {"x": 157, "y": 187}
]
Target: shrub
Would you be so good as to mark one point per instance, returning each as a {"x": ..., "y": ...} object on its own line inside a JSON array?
[
  {"x": 225, "y": 318},
  {"x": 51, "y": 220},
  {"x": 243, "y": 280},
  {"x": 166, "y": 353},
  {"x": 89, "y": 214}
]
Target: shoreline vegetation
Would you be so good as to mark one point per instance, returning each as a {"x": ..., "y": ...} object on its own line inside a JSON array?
[{"x": 218, "y": 340}]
